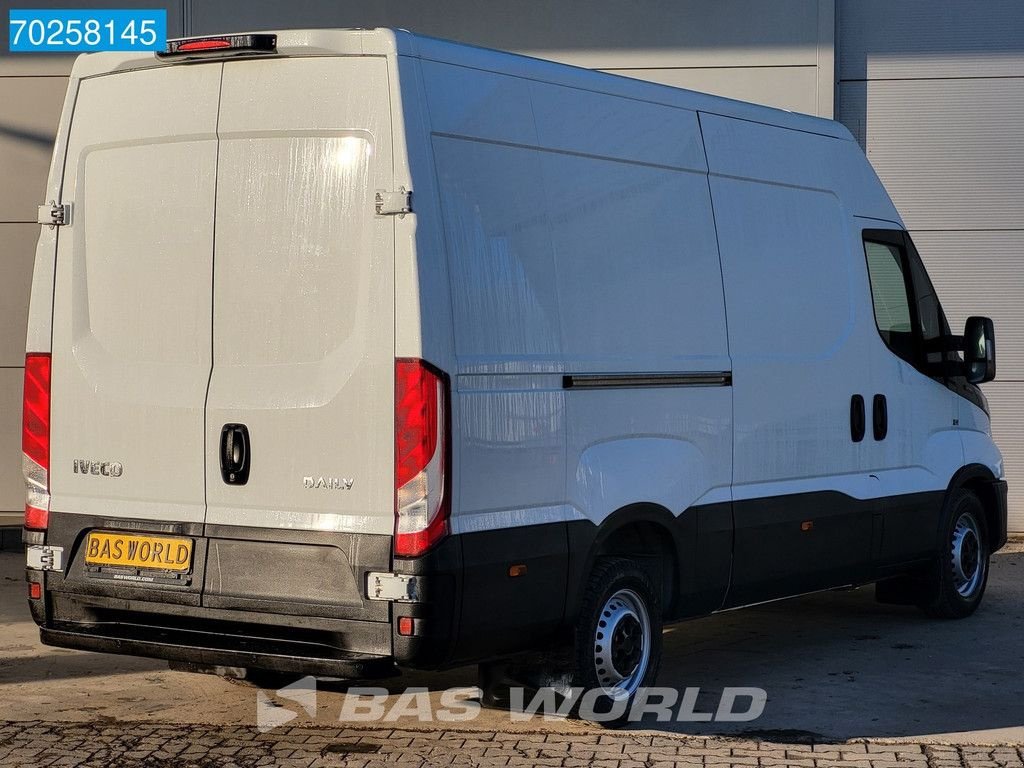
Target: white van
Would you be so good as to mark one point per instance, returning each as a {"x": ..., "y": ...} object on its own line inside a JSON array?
[{"x": 355, "y": 349}]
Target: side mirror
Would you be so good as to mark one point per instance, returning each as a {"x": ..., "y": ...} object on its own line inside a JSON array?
[{"x": 979, "y": 350}]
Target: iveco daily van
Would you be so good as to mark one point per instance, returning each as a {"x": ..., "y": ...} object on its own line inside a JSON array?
[{"x": 354, "y": 349}]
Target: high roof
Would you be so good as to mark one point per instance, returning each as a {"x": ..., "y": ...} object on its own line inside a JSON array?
[{"x": 384, "y": 42}]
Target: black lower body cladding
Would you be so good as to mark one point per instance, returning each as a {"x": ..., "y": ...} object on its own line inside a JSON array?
[
  {"x": 297, "y": 600},
  {"x": 291, "y": 601}
]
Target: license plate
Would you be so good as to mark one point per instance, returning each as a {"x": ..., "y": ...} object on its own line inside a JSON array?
[{"x": 134, "y": 551}]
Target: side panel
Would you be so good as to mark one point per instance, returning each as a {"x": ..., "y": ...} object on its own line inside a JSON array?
[
  {"x": 798, "y": 331},
  {"x": 568, "y": 256},
  {"x": 131, "y": 325}
]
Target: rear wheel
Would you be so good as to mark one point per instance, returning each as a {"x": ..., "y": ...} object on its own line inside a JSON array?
[
  {"x": 961, "y": 574},
  {"x": 618, "y": 638}
]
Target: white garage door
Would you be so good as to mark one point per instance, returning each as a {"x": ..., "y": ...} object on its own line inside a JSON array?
[{"x": 934, "y": 92}]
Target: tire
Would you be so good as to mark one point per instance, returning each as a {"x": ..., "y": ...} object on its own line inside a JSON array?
[
  {"x": 620, "y": 598},
  {"x": 961, "y": 573}
]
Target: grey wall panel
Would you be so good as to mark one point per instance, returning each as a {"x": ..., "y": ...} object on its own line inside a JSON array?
[
  {"x": 17, "y": 253},
  {"x": 779, "y": 53},
  {"x": 1006, "y": 400},
  {"x": 600, "y": 34},
  {"x": 930, "y": 38},
  {"x": 793, "y": 88},
  {"x": 717, "y": 47},
  {"x": 12, "y": 488},
  {"x": 948, "y": 151},
  {"x": 982, "y": 273},
  {"x": 29, "y": 113}
]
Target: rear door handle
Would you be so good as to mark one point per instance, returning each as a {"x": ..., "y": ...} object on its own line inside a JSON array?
[
  {"x": 857, "y": 418},
  {"x": 234, "y": 454},
  {"x": 880, "y": 417}
]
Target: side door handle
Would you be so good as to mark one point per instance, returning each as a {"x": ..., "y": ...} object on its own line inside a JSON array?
[
  {"x": 857, "y": 418},
  {"x": 234, "y": 454},
  {"x": 880, "y": 417}
]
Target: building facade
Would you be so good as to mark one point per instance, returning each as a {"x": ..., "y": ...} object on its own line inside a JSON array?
[{"x": 932, "y": 89}]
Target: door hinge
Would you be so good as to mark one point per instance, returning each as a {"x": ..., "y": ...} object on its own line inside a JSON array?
[
  {"x": 44, "y": 558},
  {"x": 54, "y": 215},
  {"x": 393, "y": 203}
]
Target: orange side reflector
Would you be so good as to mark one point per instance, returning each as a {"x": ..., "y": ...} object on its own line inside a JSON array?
[
  {"x": 807, "y": 525},
  {"x": 517, "y": 570}
]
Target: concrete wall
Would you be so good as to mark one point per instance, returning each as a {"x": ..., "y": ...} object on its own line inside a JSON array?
[{"x": 778, "y": 53}]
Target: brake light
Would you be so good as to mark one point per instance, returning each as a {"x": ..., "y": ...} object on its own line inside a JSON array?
[
  {"x": 221, "y": 44},
  {"x": 204, "y": 45},
  {"x": 35, "y": 440},
  {"x": 422, "y": 457}
]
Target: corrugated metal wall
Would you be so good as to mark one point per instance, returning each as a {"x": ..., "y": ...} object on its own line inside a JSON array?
[
  {"x": 779, "y": 54},
  {"x": 934, "y": 92}
]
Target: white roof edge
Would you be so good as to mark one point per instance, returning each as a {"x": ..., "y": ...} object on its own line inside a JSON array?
[
  {"x": 290, "y": 42},
  {"x": 385, "y": 41},
  {"x": 446, "y": 51}
]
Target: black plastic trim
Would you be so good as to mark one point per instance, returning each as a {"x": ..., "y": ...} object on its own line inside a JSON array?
[
  {"x": 213, "y": 649},
  {"x": 999, "y": 535},
  {"x": 646, "y": 380},
  {"x": 709, "y": 557},
  {"x": 879, "y": 417},
  {"x": 857, "y": 418}
]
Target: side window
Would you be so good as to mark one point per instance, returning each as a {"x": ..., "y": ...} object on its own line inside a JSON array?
[
  {"x": 890, "y": 299},
  {"x": 933, "y": 322},
  {"x": 907, "y": 309}
]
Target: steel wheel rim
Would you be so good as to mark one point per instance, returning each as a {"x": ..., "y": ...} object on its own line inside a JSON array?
[
  {"x": 622, "y": 644},
  {"x": 966, "y": 556}
]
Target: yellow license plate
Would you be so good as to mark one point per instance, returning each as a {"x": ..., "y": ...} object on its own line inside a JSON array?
[{"x": 134, "y": 551}]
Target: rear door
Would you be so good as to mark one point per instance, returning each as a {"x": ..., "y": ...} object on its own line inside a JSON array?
[
  {"x": 132, "y": 297},
  {"x": 303, "y": 336}
]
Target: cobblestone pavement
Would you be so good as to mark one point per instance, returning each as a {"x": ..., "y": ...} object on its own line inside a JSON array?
[{"x": 137, "y": 745}]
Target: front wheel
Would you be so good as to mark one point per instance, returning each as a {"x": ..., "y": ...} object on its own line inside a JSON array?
[
  {"x": 618, "y": 638},
  {"x": 962, "y": 570}
]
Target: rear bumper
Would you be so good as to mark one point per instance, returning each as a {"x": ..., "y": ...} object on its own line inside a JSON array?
[
  {"x": 287, "y": 610},
  {"x": 211, "y": 649}
]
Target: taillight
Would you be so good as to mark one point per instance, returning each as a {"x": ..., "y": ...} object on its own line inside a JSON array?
[
  {"x": 35, "y": 440},
  {"x": 422, "y": 505}
]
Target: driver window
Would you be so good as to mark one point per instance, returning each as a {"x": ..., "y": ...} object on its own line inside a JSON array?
[
  {"x": 929, "y": 311},
  {"x": 907, "y": 310}
]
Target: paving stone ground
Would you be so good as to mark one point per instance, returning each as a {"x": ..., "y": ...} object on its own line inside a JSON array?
[{"x": 37, "y": 744}]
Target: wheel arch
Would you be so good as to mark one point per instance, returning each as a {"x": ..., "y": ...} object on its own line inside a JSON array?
[
  {"x": 645, "y": 531},
  {"x": 980, "y": 480}
]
